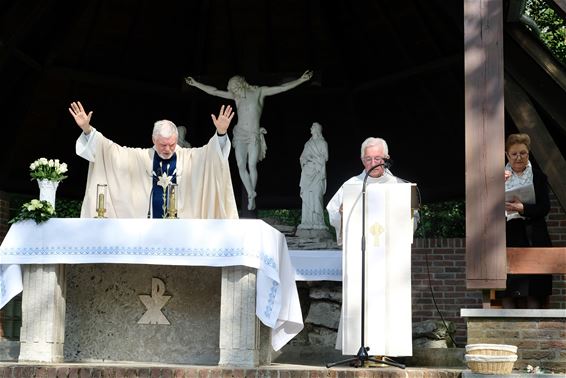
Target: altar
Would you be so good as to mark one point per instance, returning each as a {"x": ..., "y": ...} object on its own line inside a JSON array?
[{"x": 173, "y": 260}]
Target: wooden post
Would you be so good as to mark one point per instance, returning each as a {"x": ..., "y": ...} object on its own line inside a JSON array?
[{"x": 485, "y": 160}]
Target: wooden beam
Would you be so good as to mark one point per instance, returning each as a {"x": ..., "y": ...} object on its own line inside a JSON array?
[
  {"x": 114, "y": 82},
  {"x": 543, "y": 147},
  {"x": 536, "y": 260},
  {"x": 486, "y": 284},
  {"x": 539, "y": 53},
  {"x": 486, "y": 262},
  {"x": 487, "y": 297},
  {"x": 539, "y": 84},
  {"x": 559, "y": 6},
  {"x": 438, "y": 65}
]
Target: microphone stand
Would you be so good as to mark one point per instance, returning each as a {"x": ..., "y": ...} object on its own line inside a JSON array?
[{"x": 362, "y": 356}]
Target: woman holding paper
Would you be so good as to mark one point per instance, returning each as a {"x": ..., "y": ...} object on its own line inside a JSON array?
[{"x": 527, "y": 204}]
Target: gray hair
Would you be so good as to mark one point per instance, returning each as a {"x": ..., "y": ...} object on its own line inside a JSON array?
[
  {"x": 371, "y": 141},
  {"x": 164, "y": 129}
]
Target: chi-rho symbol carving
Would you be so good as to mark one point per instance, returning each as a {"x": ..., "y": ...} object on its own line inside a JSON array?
[{"x": 154, "y": 303}]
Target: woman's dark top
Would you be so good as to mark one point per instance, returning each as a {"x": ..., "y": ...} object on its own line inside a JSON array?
[{"x": 531, "y": 232}]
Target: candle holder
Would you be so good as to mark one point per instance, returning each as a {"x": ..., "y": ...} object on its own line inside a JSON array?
[
  {"x": 171, "y": 201},
  {"x": 101, "y": 200}
]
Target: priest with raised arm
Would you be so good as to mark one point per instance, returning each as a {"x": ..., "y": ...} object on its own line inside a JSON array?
[{"x": 137, "y": 177}]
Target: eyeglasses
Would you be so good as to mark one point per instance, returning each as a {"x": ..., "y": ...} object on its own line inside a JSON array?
[
  {"x": 515, "y": 155},
  {"x": 375, "y": 159}
]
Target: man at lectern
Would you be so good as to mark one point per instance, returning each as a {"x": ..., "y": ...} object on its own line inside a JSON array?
[
  {"x": 138, "y": 178},
  {"x": 374, "y": 153},
  {"x": 389, "y": 256}
]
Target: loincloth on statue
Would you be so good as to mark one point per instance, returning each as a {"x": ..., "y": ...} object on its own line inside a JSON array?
[{"x": 245, "y": 138}]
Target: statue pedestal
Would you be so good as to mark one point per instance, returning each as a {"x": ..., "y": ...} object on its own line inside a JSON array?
[{"x": 313, "y": 233}]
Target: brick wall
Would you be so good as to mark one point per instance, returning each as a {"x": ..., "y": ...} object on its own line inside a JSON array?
[
  {"x": 540, "y": 341},
  {"x": 440, "y": 264},
  {"x": 444, "y": 260},
  {"x": 556, "y": 222},
  {"x": 446, "y": 264}
]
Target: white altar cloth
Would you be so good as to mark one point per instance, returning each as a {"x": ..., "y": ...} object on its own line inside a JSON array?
[
  {"x": 197, "y": 242},
  {"x": 317, "y": 265}
]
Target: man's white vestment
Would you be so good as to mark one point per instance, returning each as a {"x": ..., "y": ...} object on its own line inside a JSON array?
[{"x": 203, "y": 177}]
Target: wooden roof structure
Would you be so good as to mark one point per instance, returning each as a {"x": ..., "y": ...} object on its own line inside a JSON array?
[
  {"x": 382, "y": 68},
  {"x": 498, "y": 80},
  {"x": 442, "y": 81}
]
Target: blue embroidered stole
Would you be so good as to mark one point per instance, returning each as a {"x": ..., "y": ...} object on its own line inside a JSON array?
[{"x": 162, "y": 169}]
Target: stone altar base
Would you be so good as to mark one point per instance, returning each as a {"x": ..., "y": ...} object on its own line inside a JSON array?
[
  {"x": 104, "y": 308},
  {"x": 539, "y": 334}
]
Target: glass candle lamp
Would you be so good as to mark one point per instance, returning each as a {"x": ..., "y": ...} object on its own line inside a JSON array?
[
  {"x": 101, "y": 193},
  {"x": 172, "y": 204}
]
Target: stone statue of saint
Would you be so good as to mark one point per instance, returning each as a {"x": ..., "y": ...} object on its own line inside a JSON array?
[
  {"x": 249, "y": 142},
  {"x": 182, "y": 139},
  {"x": 313, "y": 184}
]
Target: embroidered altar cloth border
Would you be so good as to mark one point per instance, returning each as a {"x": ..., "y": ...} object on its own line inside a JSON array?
[
  {"x": 317, "y": 265},
  {"x": 196, "y": 242}
]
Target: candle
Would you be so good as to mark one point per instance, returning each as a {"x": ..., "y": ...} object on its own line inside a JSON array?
[
  {"x": 101, "y": 201},
  {"x": 172, "y": 200}
]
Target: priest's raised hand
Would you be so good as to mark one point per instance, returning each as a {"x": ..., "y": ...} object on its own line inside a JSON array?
[
  {"x": 81, "y": 118},
  {"x": 223, "y": 121}
]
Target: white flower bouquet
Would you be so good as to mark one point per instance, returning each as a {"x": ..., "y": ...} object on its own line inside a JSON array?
[
  {"x": 52, "y": 170},
  {"x": 37, "y": 210}
]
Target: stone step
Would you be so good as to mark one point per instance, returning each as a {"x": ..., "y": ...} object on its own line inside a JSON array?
[{"x": 177, "y": 371}]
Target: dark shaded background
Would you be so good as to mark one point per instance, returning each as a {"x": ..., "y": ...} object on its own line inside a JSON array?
[{"x": 390, "y": 68}]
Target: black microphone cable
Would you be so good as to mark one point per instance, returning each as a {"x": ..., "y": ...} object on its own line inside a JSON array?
[
  {"x": 427, "y": 263},
  {"x": 419, "y": 199}
]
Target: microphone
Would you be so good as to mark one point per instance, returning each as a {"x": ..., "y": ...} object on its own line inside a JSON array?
[{"x": 387, "y": 163}]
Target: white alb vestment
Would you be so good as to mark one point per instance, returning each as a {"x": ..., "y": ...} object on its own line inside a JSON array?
[
  {"x": 388, "y": 237},
  {"x": 203, "y": 177}
]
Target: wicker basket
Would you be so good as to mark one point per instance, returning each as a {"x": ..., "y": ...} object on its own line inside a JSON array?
[
  {"x": 491, "y": 349},
  {"x": 490, "y": 364}
]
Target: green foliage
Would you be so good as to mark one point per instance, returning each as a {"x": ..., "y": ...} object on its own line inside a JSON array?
[
  {"x": 445, "y": 219},
  {"x": 68, "y": 208},
  {"x": 442, "y": 220},
  {"x": 65, "y": 208},
  {"x": 551, "y": 25},
  {"x": 289, "y": 217},
  {"x": 36, "y": 210}
]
